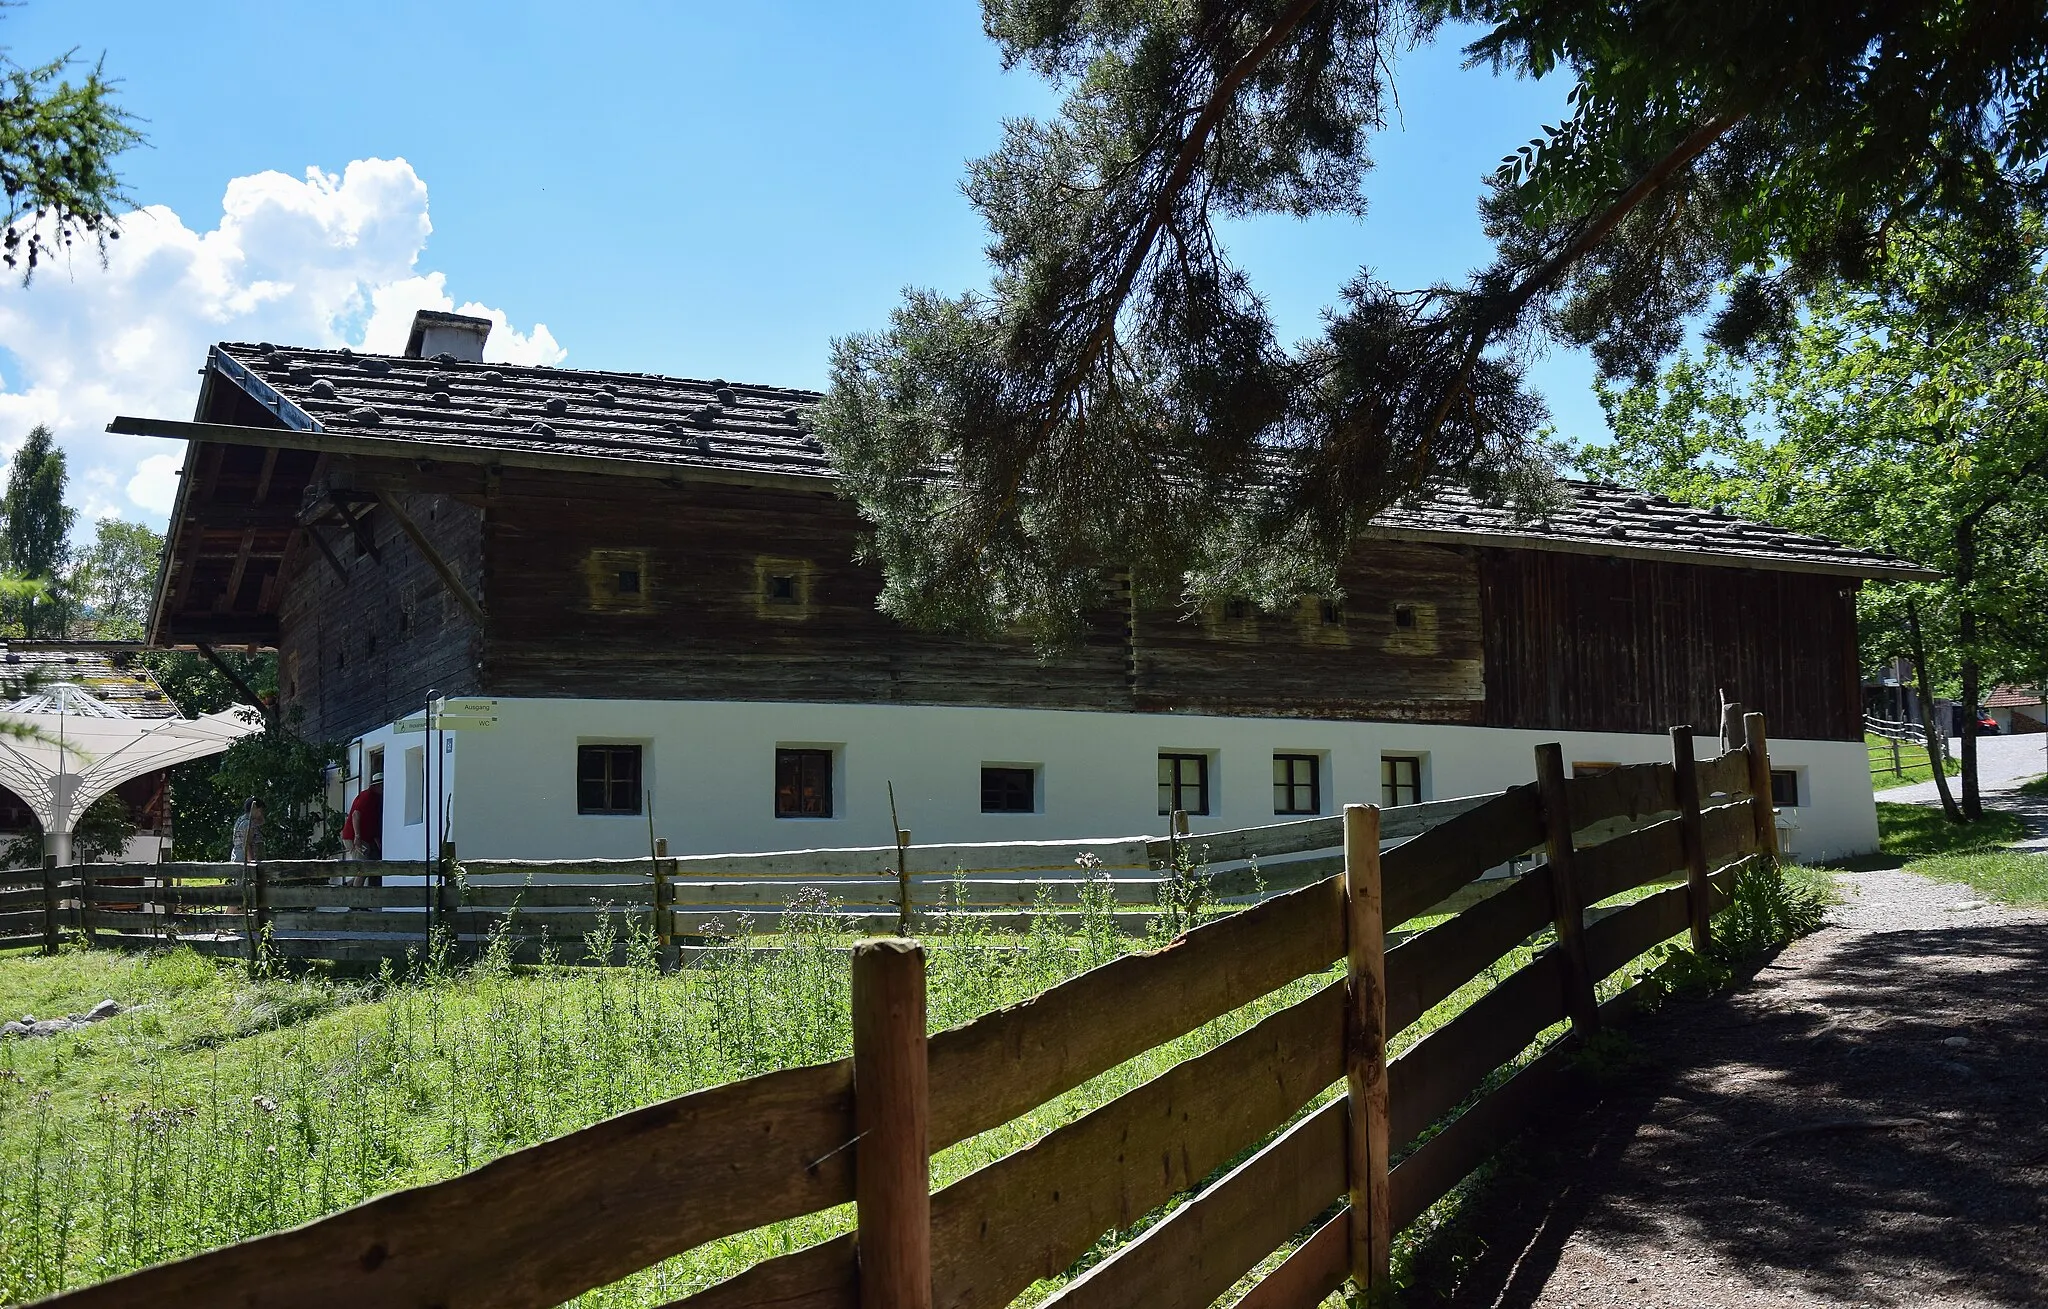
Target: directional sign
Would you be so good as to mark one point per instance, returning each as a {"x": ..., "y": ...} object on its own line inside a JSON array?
[{"x": 465, "y": 714}]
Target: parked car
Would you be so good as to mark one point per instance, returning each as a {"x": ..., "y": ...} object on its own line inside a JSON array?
[{"x": 1986, "y": 724}]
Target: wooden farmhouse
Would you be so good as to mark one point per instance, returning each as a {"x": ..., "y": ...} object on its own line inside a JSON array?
[{"x": 654, "y": 578}]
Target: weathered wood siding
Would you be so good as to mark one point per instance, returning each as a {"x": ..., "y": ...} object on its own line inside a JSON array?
[
  {"x": 1590, "y": 643},
  {"x": 1404, "y": 645},
  {"x": 358, "y": 654},
  {"x": 706, "y": 623}
]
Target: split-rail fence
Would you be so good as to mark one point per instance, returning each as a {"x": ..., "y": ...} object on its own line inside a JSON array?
[{"x": 548, "y": 1223}]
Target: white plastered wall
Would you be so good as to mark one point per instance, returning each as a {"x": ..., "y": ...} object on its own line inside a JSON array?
[{"x": 710, "y": 767}]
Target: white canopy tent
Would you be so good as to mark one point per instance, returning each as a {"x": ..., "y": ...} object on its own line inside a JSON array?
[{"x": 84, "y": 747}]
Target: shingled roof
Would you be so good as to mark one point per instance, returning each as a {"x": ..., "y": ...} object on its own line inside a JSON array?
[
  {"x": 108, "y": 671},
  {"x": 648, "y": 424}
]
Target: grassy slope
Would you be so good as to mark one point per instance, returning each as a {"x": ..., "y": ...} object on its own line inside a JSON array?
[{"x": 1971, "y": 853}]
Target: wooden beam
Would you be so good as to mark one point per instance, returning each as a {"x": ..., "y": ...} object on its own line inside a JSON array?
[
  {"x": 449, "y": 577},
  {"x": 226, "y": 603},
  {"x": 312, "y": 530},
  {"x": 263, "y": 478},
  {"x": 235, "y": 679},
  {"x": 892, "y": 1115},
  {"x": 387, "y": 447},
  {"x": 365, "y": 542}
]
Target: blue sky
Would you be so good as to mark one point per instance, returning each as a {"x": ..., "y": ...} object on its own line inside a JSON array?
[{"x": 709, "y": 190}]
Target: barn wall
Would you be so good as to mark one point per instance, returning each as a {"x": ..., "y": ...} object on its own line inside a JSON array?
[
  {"x": 1622, "y": 645},
  {"x": 705, "y": 624},
  {"x": 1404, "y": 645},
  {"x": 362, "y": 652}
]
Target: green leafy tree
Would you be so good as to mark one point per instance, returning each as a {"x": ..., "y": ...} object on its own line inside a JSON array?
[
  {"x": 1907, "y": 412},
  {"x": 39, "y": 531},
  {"x": 58, "y": 141},
  {"x": 115, "y": 580},
  {"x": 1117, "y": 398}
]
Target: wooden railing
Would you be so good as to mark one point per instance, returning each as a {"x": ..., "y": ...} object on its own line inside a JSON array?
[
  {"x": 300, "y": 909},
  {"x": 545, "y": 1224}
]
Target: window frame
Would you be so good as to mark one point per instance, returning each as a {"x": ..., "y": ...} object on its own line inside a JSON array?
[
  {"x": 1792, "y": 779},
  {"x": 1293, "y": 785},
  {"x": 801, "y": 755},
  {"x": 611, "y": 780},
  {"x": 1029, "y": 774},
  {"x": 1178, "y": 786},
  {"x": 1391, "y": 784}
]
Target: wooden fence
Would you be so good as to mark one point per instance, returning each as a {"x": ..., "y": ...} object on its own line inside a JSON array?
[
  {"x": 300, "y": 909},
  {"x": 545, "y": 1224}
]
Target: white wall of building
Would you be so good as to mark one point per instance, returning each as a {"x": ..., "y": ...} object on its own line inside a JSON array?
[{"x": 510, "y": 791}]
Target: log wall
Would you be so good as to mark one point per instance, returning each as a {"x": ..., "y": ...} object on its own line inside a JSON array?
[{"x": 1591, "y": 643}]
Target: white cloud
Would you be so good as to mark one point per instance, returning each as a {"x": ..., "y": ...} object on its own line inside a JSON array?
[{"x": 323, "y": 260}]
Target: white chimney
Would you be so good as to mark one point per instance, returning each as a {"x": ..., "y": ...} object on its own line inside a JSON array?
[{"x": 436, "y": 333}]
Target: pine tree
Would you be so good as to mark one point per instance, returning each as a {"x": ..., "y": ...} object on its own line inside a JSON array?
[
  {"x": 1118, "y": 400},
  {"x": 39, "y": 531}
]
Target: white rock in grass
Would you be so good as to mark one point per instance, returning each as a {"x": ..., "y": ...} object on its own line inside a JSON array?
[
  {"x": 50, "y": 1027},
  {"x": 1965, "y": 906},
  {"x": 104, "y": 1009}
]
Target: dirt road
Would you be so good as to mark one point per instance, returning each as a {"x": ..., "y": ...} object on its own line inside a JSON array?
[{"x": 1864, "y": 1123}]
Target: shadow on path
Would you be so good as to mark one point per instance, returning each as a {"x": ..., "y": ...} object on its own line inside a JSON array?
[{"x": 1743, "y": 1160}]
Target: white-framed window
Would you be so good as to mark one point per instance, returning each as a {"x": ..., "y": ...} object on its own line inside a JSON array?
[
  {"x": 415, "y": 785},
  {"x": 1010, "y": 789},
  {"x": 807, "y": 781}
]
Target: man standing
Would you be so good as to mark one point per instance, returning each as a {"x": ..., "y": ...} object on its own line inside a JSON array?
[{"x": 362, "y": 832}]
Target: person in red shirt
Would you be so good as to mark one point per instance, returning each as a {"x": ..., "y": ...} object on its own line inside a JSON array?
[{"x": 362, "y": 832}]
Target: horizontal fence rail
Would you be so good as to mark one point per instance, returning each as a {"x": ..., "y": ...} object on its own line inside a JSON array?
[
  {"x": 1304, "y": 1099},
  {"x": 367, "y": 912}
]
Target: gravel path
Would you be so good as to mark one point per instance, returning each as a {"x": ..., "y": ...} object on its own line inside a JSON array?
[
  {"x": 1864, "y": 1123},
  {"x": 2002, "y": 763}
]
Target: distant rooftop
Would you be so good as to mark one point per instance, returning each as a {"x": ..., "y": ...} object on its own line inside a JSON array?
[{"x": 109, "y": 671}]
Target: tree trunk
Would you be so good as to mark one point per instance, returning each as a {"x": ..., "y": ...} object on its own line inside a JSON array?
[
  {"x": 1966, "y": 632},
  {"x": 1926, "y": 698}
]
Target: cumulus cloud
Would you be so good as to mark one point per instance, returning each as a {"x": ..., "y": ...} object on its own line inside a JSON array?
[{"x": 321, "y": 260}]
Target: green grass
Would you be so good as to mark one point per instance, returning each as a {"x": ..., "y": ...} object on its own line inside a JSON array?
[
  {"x": 2035, "y": 786},
  {"x": 1912, "y": 760},
  {"x": 1971, "y": 853}
]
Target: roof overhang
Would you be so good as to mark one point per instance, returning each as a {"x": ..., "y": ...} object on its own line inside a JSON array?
[{"x": 1654, "y": 554}]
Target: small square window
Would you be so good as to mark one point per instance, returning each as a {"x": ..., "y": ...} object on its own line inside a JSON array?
[
  {"x": 1184, "y": 783},
  {"x": 1784, "y": 788},
  {"x": 607, "y": 779},
  {"x": 1400, "y": 780},
  {"x": 803, "y": 783},
  {"x": 1333, "y": 613},
  {"x": 1237, "y": 611},
  {"x": 1297, "y": 784},
  {"x": 629, "y": 581},
  {"x": 1009, "y": 790},
  {"x": 1404, "y": 616},
  {"x": 782, "y": 589}
]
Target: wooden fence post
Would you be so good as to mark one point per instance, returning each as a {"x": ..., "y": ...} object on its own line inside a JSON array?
[
  {"x": 892, "y": 1116},
  {"x": 664, "y": 934},
  {"x": 1365, "y": 1052},
  {"x": 258, "y": 912},
  {"x": 1731, "y": 726},
  {"x": 1567, "y": 904},
  {"x": 1761, "y": 809},
  {"x": 85, "y": 903},
  {"x": 1692, "y": 840},
  {"x": 904, "y": 899},
  {"x": 50, "y": 937}
]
